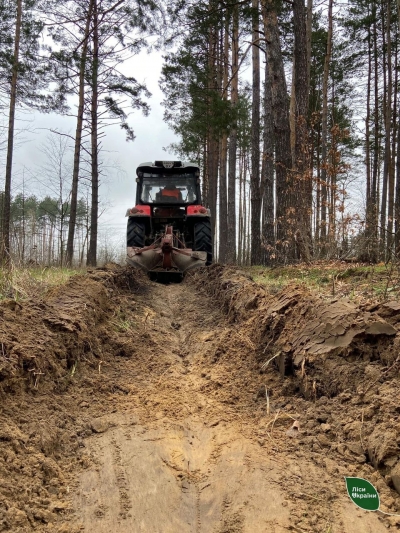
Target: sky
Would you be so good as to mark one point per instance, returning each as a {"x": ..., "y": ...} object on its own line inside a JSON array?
[{"x": 117, "y": 192}]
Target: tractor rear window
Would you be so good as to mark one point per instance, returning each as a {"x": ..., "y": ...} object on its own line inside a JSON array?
[{"x": 169, "y": 189}]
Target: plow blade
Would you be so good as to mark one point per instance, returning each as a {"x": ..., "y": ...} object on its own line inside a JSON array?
[{"x": 165, "y": 265}]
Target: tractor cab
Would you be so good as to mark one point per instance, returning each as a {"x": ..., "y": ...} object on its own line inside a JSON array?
[{"x": 168, "y": 183}]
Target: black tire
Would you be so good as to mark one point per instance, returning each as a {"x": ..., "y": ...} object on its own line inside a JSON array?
[
  {"x": 203, "y": 239},
  {"x": 136, "y": 233}
]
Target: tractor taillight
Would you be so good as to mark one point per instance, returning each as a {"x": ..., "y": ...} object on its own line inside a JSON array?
[
  {"x": 197, "y": 210},
  {"x": 141, "y": 210}
]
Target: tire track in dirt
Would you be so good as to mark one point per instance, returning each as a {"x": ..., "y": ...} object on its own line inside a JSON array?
[{"x": 125, "y": 503}]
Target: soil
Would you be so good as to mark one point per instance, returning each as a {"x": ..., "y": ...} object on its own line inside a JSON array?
[{"x": 211, "y": 405}]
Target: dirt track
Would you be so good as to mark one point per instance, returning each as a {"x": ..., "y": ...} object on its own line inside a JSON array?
[{"x": 163, "y": 426}]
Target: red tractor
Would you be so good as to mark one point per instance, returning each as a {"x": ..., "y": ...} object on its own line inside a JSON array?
[{"x": 169, "y": 231}]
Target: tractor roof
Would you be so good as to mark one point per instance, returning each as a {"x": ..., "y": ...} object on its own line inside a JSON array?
[{"x": 167, "y": 165}]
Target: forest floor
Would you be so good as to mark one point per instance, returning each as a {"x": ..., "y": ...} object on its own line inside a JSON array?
[{"x": 236, "y": 401}]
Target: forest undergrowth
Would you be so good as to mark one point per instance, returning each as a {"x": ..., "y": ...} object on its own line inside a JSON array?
[
  {"x": 29, "y": 283},
  {"x": 357, "y": 281}
]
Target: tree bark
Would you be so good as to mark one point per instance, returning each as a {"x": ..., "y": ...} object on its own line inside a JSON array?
[
  {"x": 94, "y": 210},
  {"x": 375, "y": 163},
  {"x": 292, "y": 113},
  {"x": 231, "y": 236},
  {"x": 285, "y": 214},
  {"x": 5, "y": 249},
  {"x": 267, "y": 172},
  {"x": 369, "y": 251},
  {"x": 213, "y": 145},
  {"x": 397, "y": 199},
  {"x": 223, "y": 208},
  {"x": 240, "y": 221},
  {"x": 324, "y": 132},
  {"x": 78, "y": 141},
  {"x": 309, "y": 35},
  {"x": 302, "y": 177},
  {"x": 223, "y": 193},
  {"x": 388, "y": 170},
  {"x": 392, "y": 170},
  {"x": 256, "y": 250}
]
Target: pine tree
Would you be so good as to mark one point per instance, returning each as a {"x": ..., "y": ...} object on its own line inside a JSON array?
[
  {"x": 24, "y": 76},
  {"x": 87, "y": 65}
]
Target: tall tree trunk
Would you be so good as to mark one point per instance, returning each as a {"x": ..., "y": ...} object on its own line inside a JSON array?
[
  {"x": 231, "y": 236},
  {"x": 332, "y": 163},
  {"x": 240, "y": 221},
  {"x": 324, "y": 132},
  {"x": 223, "y": 193},
  {"x": 318, "y": 191},
  {"x": 94, "y": 210},
  {"x": 397, "y": 199},
  {"x": 391, "y": 119},
  {"x": 204, "y": 185},
  {"x": 213, "y": 145},
  {"x": 311, "y": 129},
  {"x": 69, "y": 254},
  {"x": 387, "y": 103},
  {"x": 309, "y": 36},
  {"x": 245, "y": 208},
  {"x": 292, "y": 113},
  {"x": 396, "y": 153},
  {"x": 302, "y": 178},
  {"x": 213, "y": 160},
  {"x": 23, "y": 227},
  {"x": 5, "y": 248},
  {"x": 223, "y": 212},
  {"x": 256, "y": 250},
  {"x": 369, "y": 252},
  {"x": 267, "y": 172},
  {"x": 392, "y": 171},
  {"x": 376, "y": 150},
  {"x": 285, "y": 215}
]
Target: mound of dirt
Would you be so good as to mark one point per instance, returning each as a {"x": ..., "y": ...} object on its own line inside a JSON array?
[
  {"x": 342, "y": 358},
  {"x": 49, "y": 350},
  {"x": 41, "y": 341}
]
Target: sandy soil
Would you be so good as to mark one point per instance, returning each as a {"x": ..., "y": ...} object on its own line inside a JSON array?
[{"x": 131, "y": 406}]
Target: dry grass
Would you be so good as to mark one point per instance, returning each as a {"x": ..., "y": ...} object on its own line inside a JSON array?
[
  {"x": 22, "y": 283},
  {"x": 335, "y": 279}
]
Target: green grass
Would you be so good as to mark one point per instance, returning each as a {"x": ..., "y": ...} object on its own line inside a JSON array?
[
  {"x": 123, "y": 325},
  {"x": 54, "y": 276},
  {"x": 333, "y": 278},
  {"x": 22, "y": 283},
  {"x": 122, "y": 322}
]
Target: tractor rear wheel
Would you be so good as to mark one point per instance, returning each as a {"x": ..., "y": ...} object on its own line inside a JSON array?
[
  {"x": 203, "y": 239},
  {"x": 136, "y": 233}
]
